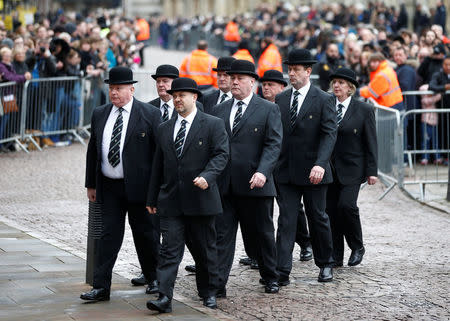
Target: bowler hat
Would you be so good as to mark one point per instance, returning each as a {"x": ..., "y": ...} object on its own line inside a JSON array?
[
  {"x": 273, "y": 75},
  {"x": 346, "y": 74},
  {"x": 224, "y": 63},
  {"x": 166, "y": 71},
  {"x": 299, "y": 57},
  {"x": 120, "y": 76},
  {"x": 184, "y": 84},
  {"x": 243, "y": 67}
]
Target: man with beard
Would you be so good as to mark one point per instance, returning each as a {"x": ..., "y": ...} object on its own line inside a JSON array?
[{"x": 328, "y": 65}]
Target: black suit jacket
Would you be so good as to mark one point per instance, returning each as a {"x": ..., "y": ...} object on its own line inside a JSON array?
[
  {"x": 157, "y": 103},
  {"x": 310, "y": 141},
  {"x": 138, "y": 150},
  {"x": 254, "y": 146},
  {"x": 210, "y": 100},
  {"x": 205, "y": 153},
  {"x": 355, "y": 153}
]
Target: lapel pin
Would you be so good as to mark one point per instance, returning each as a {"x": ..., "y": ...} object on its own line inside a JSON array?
[
  {"x": 256, "y": 129},
  {"x": 200, "y": 142},
  {"x": 310, "y": 116},
  {"x": 142, "y": 134},
  {"x": 355, "y": 130}
]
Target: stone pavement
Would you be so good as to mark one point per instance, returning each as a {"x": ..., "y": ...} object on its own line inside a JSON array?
[{"x": 39, "y": 281}]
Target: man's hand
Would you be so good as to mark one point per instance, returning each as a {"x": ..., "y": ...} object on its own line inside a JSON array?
[
  {"x": 316, "y": 174},
  {"x": 91, "y": 194},
  {"x": 151, "y": 210},
  {"x": 201, "y": 183},
  {"x": 371, "y": 180},
  {"x": 447, "y": 86},
  {"x": 258, "y": 180}
]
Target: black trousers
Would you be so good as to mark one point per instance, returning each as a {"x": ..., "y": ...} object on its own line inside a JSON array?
[
  {"x": 199, "y": 234},
  {"x": 344, "y": 217},
  {"x": 255, "y": 216},
  {"x": 144, "y": 228},
  {"x": 314, "y": 198}
]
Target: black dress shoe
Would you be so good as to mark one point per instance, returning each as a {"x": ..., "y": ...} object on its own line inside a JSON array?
[
  {"x": 271, "y": 287},
  {"x": 222, "y": 293},
  {"x": 162, "y": 305},
  {"x": 306, "y": 254},
  {"x": 100, "y": 294},
  {"x": 152, "y": 287},
  {"x": 245, "y": 261},
  {"x": 139, "y": 281},
  {"x": 283, "y": 281},
  {"x": 190, "y": 268},
  {"x": 262, "y": 281},
  {"x": 325, "y": 274},
  {"x": 356, "y": 257},
  {"x": 254, "y": 265},
  {"x": 210, "y": 302}
]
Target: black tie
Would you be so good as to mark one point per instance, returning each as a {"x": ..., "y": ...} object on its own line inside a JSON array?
[
  {"x": 179, "y": 140},
  {"x": 114, "y": 145},
  {"x": 238, "y": 116},
  {"x": 222, "y": 99},
  {"x": 293, "y": 110},
  {"x": 339, "y": 113},
  {"x": 165, "y": 115}
]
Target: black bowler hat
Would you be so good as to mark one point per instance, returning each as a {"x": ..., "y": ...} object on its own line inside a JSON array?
[
  {"x": 184, "y": 84},
  {"x": 243, "y": 67},
  {"x": 273, "y": 75},
  {"x": 166, "y": 71},
  {"x": 346, "y": 74},
  {"x": 224, "y": 63},
  {"x": 299, "y": 57},
  {"x": 120, "y": 76}
]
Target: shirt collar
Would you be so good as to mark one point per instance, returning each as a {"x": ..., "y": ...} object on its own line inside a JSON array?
[
  {"x": 304, "y": 90},
  {"x": 169, "y": 103},
  {"x": 127, "y": 107},
  {"x": 345, "y": 103},
  {"x": 221, "y": 93},
  {"x": 247, "y": 99},
  {"x": 189, "y": 118}
]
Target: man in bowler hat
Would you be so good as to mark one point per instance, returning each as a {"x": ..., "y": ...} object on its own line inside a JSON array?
[
  {"x": 164, "y": 76},
  {"x": 303, "y": 169},
  {"x": 273, "y": 83},
  {"x": 118, "y": 163},
  {"x": 192, "y": 152},
  {"x": 254, "y": 127}
]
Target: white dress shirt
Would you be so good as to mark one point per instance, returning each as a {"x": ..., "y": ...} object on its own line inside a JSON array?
[
  {"x": 345, "y": 103},
  {"x": 189, "y": 119},
  {"x": 107, "y": 169},
  {"x": 228, "y": 94},
  {"x": 171, "y": 107},
  {"x": 235, "y": 107},
  {"x": 302, "y": 91}
]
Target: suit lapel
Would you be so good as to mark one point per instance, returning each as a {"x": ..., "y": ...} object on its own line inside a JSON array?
[
  {"x": 350, "y": 111},
  {"x": 169, "y": 136},
  {"x": 227, "y": 111},
  {"x": 134, "y": 117},
  {"x": 307, "y": 102},
  {"x": 101, "y": 124},
  {"x": 252, "y": 106},
  {"x": 195, "y": 127}
]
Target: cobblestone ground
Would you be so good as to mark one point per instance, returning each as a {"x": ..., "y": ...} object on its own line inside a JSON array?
[{"x": 404, "y": 275}]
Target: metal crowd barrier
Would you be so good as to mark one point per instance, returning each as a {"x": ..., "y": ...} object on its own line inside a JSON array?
[
  {"x": 11, "y": 94},
  {"x": 389, "y": 139},
  {"x": 95, "y": 93},
  {"x": 426, "y": 146}
]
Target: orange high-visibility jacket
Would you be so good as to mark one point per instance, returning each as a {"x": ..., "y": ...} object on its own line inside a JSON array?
[
  {"x": 232, "y": 32},
  {"x": 270, "y": 59},
  {"x": 244, "y": 54},
  {"x": 144, "y": 30},
  {"x": 198, "y": 65},
  {"x": 383, "y": 86}
]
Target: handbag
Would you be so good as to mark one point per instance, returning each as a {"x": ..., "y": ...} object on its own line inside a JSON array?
[{"x": 9, "y": 104}]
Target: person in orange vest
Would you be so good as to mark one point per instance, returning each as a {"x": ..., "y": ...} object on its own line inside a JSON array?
[
  {"x": 270, "y": 57},
  {"x": 142, "y": 36},
  {"x": 383, "y": 86},
  {"x": 242, "y": 53},
  {"x": 198, "y": 65},
  {"x": 231, "y": 36}
]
